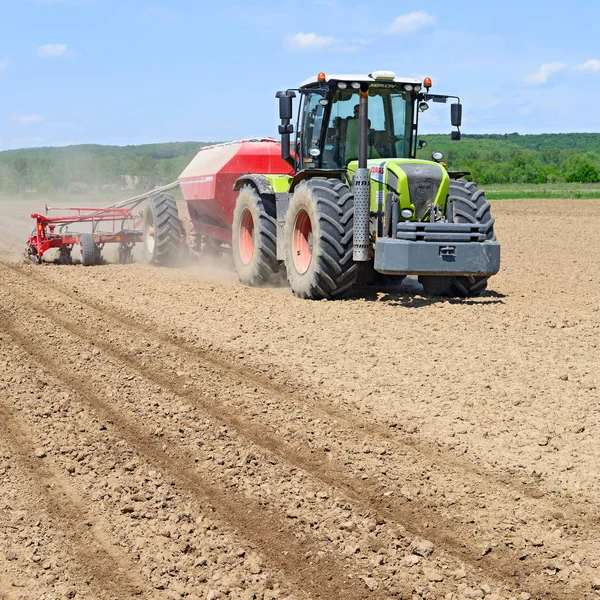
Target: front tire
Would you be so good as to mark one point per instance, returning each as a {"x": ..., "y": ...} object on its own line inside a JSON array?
[
  {"x": 254, "y": 238},
  {"x": 466, "y": 204},
  {"x": 161, "y": 230},
  {"x": 319, "y": 234}
]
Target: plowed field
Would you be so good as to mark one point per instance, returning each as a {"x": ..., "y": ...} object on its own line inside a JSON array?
[{"x": 172, "y": 434}]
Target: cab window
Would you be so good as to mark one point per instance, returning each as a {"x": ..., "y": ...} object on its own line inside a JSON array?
[
  {"x": 389, "y": 126},
  {"x": 313, "y": 113}
]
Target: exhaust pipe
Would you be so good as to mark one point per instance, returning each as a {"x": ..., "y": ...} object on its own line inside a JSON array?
[{"x": 361, "y": 185}]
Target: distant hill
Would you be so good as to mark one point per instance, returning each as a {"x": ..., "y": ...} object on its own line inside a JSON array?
[
  {"x": 155, "y": 151},
  {"x": 93, "y": 167},
  {"x": 492, "y": 158}
]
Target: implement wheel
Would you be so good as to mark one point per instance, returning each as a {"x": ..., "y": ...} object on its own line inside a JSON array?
[
  {"x": 32, "y": 255},
  {"x": 466, "y": 204},
  {"x": 64, "y": 257},
  {"x": 90, "y": 253},
  {"x": 162, "y": 230},
  {"x": 318, "y": 239},
  {"x": 125, "y": 254},
  {"x": 254, "y": 238}
]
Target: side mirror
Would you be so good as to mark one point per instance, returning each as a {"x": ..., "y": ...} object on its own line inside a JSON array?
[
  {"x": 286, "y": 128},
  {"x": 455, "y": 136},
  {"x": 456, "y": 115},
  {"x": 285, "y": 104}
]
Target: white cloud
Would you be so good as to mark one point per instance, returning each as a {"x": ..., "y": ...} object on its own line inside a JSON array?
[
  {"x": 52, "y": 50},
  {"x": 411, "y": 22},
  {"x": 591, "y": 65},
  {"x": 27, "y": 119},
  {"x": 542, "y": 75},
  {"x": 309, "y": 42},
  {"x": 3, "y": 64}
]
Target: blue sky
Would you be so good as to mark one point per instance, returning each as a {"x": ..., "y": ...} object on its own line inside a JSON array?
[{"x": 143, "y": 71}]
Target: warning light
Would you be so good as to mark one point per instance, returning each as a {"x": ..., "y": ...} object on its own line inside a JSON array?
[
  {"x": 427, "y": 82},
  {"x": 322, "y": 77}
]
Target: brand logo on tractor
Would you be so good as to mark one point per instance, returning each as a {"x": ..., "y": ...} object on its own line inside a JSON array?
[{"x": 378, "y": 174}]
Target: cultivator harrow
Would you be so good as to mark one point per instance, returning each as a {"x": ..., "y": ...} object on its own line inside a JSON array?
[{"x": 118, "y": 223}]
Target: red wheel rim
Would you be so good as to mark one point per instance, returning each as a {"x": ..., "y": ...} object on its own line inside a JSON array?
[
  {"x": 246, "y": 237},
  {"x": 302, "y": 242}
]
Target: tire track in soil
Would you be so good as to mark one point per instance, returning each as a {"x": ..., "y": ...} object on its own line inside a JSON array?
[
  {"x": 323, "y": 409},
  {"x": 109, "y": 571},
  {"x": 320, "y": 577},
  {"x": 454, "y": 538}
]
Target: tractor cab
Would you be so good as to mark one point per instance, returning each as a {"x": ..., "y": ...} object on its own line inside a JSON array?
[{"x": 328, "y": 126}]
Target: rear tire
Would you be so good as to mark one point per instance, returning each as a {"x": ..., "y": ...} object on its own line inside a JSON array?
[
  {"x": 90, "y": 253},
  {"x": 254, "y": 238},
  {"x": 162, "y": 230},
  {"x": 319, "y": 234},
  {"x": 466, "y": 204}
]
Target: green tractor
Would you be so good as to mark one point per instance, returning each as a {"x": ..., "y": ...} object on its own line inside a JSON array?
[{"x": 357, "y": 206}]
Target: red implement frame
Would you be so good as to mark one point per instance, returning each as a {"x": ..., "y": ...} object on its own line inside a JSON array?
[{"x": 45, "y": 235}]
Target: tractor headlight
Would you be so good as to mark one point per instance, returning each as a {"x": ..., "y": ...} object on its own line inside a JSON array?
[
  {"x": 408, "y": 87},
  {"x": 355, "y": 85},
  {"x": 342, "y": 85},
  {"x": 406, "y": 213},
  {"x": 417, "y": 88}
]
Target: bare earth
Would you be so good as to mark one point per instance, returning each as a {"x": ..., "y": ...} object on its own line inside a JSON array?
[{"x": 172, "y": 434}]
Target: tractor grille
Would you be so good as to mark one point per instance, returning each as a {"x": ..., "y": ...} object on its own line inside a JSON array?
[
  {"x": 423, "y": 183},
  {"x": 441, "y": 232}
]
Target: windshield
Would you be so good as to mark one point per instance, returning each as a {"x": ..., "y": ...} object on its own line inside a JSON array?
[{"x": 390, "y": 122}]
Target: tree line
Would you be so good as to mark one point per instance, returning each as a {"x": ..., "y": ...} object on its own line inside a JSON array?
[
  {"x": 514, "y": 158},
  {"x": 510, "y": 158}
]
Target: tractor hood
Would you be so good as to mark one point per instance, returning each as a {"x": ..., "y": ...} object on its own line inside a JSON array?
[{"x": 418, "y": 183}]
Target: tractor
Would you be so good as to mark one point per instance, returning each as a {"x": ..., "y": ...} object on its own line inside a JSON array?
[{"x": 356, "y": 204}]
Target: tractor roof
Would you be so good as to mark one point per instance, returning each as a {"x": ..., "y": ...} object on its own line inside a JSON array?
[{"x": 379, "y": 76}]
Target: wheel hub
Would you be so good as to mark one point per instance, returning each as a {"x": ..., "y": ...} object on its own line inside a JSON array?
[
  {"x": 150, "y": 239},
  {"x": 246, "y": 237},
  {"x": 302, "y": 242}
]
